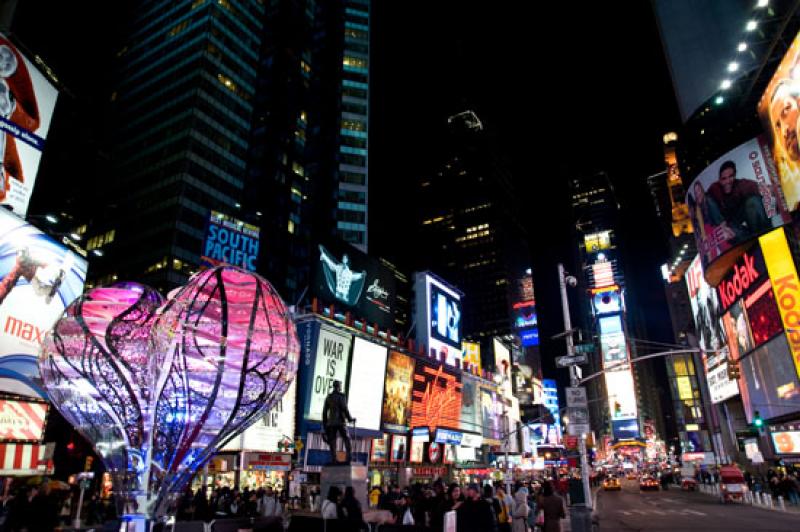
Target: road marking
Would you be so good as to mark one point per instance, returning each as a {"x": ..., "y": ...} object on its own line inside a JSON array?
[
  {"x": 683, "y": 512},
  {"x": 693, "y": 512}
]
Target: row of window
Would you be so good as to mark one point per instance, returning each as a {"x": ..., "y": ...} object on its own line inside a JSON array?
[{"x": 100, "y": 240}]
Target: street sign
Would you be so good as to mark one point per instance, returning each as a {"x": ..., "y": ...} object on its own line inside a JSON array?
[
  {"x": 567, "y": 361},
  {"x": 576, "y": 397},
  {"x": 578, "y": 415},
  {"x": 571, "y": 442},
  {"x": 584, "y": 348}
]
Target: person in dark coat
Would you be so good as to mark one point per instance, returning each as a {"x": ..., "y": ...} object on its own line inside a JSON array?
[
  {"x": 553, "y": 507},
  {"x": 475, "y": 513},
  {"x": 351, "y": 509}
]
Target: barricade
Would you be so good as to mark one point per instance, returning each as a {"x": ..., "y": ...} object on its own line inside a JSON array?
[{"x": 781, "y": 505}]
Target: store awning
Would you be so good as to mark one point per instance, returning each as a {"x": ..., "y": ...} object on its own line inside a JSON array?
[{"x": 25, "y": 459}]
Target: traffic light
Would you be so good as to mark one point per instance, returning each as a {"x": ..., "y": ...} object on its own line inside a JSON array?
[
  {"x": 758, "y": 422},
  {"x": 733, "y": 370}
]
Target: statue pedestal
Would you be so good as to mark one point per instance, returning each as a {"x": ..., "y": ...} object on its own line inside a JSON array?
[{"x": 342, "y": 476}]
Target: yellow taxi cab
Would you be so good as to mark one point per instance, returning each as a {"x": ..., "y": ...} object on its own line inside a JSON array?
[
  {"x": 648, "y": 483},
  {"x": 611, "y": 483}
]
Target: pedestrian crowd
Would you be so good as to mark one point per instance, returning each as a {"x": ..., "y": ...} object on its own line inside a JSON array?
[{"x": 228, "y": 503}]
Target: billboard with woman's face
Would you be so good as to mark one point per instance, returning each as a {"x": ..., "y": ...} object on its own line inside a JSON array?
[{"x": 733, "y": 201}]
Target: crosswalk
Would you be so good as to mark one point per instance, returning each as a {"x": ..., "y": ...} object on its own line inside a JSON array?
[{"x": 662, "y": 512}]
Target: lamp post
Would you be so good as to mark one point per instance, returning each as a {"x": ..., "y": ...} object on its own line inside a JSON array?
[{"x": 563, "y": 280}]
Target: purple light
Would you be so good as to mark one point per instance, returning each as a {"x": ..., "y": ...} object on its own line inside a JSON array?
[{"x": 160, "y": 385}]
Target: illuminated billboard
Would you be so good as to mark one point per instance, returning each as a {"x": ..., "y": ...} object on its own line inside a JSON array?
[
  {"x": 763, "y": 315},
  {"x": 502, "y": 366},
  {"x": 22, "y": 421},
  {"x": 472, "y": 354},
  {"x": 438, "y": 315},
  {"x": 435, "y": 397},
  {"x": 470, "y": 404},
  {"x": 275, "y": 427},
  {"x": 492, "y": 428},
  {"x": 786, "y": 286},
  {"x": 627, "y": 429},
  {"x": 612, "y": 341},
  {"x": 230, "y": 241},
  {"x": 525, "y": 314},
  {"x": 529, "y": 337},
  {"x": 39, "y": 279},
  {"x": 27, "y": 101},
  {"x": 347, "y": 277},
  {"x": 607, "y": 302},
  {"x": 745, "y": 274},
  {"x": 597, "y": 241},
  {"x": 621, "y": 394},
  {"x": 737, "y": 331},
  {"x": 719, "y": 385},
  {"x": 397, "y": 393},
  {"x": 705, "y": 308},
  {"x": 769, "y": 381},
  {"x": 365, "y": 392},
  {"x": 786, "y": 438},
  {"x": 734, "y": 200},
  {"x": 331, "y": 363},
  {"x": 778, "y": 109}
]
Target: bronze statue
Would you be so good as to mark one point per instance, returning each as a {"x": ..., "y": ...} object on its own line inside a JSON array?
[{"x": 335, "y": 417}]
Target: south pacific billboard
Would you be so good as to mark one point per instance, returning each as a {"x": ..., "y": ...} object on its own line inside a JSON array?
[
  {"x": 230, "y": 241},
  {"x": 38, "y": 279},
  {"x": 397, "y": 392},
  {"x": 27, "y": 101},
  {"x": 732, "y": 201}
]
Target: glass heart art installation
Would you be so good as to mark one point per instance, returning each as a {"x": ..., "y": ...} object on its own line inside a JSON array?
[{"x": 159, "y": 385}]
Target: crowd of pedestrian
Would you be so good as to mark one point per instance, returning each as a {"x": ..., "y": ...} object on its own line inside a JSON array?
[
  {"x": 486, "y": 508},
  {"x": 227, "y": 503},
  {"x": 39, "y": 509}
]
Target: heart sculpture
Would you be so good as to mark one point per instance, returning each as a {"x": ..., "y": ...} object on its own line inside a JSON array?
[{"x": 160, "y": 385}]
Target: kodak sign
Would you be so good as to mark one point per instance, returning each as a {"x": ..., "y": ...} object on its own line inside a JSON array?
[
  {"x": 742, "y": 277},
  {"x": 786, "y": 286}
]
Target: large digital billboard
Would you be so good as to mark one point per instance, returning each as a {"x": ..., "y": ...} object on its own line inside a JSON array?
[
  {"x": 625, "y": 429},
  {"x": 397, "y": 393},
  {"x": 606, "y": 301},
  {"x": 621, "y": 394},
  {"x": 275, "y": 427},
  {"x": 745, "y": 274},
  {"x": 230, "y": 241},
  {"x": 38, "y": 279},
  {"x": 769, "y": 381},
  {"x": 365, "y": 392},
  {"x": 492, "y": 420},
  {"x": 331, "y": 363},
  {"x": 786, "y": 286},
  {"x": 786, "y": 438},
  {"x": 705, "y": 308},
  {"x": 435, "y": 397},
  {"x": 737, "y": 331},
  {"x": 472, "y": 355},
  {"x": 612, "y": 341},
  {"x": 719, "y": 385},
  {"x": 734, "y": 200},
  {"x": 438, "y": 316},
  {"x": 502, "y": 366},
  {"x": 27, "y": 101},
  {"x": 349, "y": 278},
  {"x": 470, "y": 404},
  {"x": 779, "y": 109},
  {"x": 762, "y": 312}
]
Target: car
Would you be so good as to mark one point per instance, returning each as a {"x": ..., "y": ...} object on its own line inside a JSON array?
[
  {"x": 631, "y": 475},
  {"x": 611, "y": 483},
  {"x": 648, "y": 483}
]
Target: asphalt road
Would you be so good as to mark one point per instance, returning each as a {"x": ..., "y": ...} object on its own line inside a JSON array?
[{"x": 678, "y": 511}]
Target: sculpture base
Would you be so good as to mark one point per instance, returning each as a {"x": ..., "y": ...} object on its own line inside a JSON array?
[{"x": 342, "y": 476}]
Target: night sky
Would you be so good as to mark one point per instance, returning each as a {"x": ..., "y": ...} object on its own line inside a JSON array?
[
  {"x": 594, "y": 95},
  {"x": 565, "y": 90}
]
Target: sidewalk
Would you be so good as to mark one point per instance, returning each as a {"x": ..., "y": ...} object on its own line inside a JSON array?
[{"x": 753, "y": 499}]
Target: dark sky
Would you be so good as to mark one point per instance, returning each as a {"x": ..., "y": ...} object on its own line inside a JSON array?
[{"x": 566, "y": 91}]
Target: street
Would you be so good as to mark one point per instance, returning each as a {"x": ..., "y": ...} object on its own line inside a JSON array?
[{"x": 677, "y": 510}]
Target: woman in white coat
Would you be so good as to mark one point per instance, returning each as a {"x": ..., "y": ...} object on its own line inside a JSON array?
[{"x": 519, "y": 513}]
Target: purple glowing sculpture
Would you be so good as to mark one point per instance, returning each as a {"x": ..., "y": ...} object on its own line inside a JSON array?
[{"x": 159, "y": 386}]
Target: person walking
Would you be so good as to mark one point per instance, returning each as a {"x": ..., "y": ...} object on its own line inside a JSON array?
[
  {"x": 503, "y": 504},
  {"x": 351, "y": 509},
  {"x": 330, "y": 506},
  {"x": 552, "y": 507},
  {"x": 475, "y": 513},
  {"x": 519, "y": 512}
]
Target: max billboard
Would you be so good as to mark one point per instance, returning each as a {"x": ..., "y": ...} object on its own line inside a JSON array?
[
  {"x": 27, "y": 101},
  {"x": 38, "y": 279}
]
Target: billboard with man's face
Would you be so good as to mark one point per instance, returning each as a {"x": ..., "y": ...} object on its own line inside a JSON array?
[
  {"x": 734, "y": 200},
  {"x": 779, "y": 110},
  {"x": 38, "y": 279},
  {"x": 27, "y": 100}
]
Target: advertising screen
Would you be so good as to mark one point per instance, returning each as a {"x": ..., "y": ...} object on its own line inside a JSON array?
[
  {"x": 472, "y": 354},
  {"x": 606, "y": 302},
  {"x": 22, "y": 421},
  {"x": 627, "y": 429},
  {"x": 737, "y": 331},
  {"x": 612, "y": 341},
  {"x": 435, "y": 397},
  {"x": 778, "y": 109},
  {"x": 745, "y": 274},
  {"x": 597, "y": 241},
  {"x": 333, "y": 357},
  {"x": 417, "y": 451},
  {"x": 346, "y": 277},
  {"x": 378, "y": 451},
  {"x": 438, "y": 315},
  {"x": 705, "y": 308},
  {"x": 502, "y": 366},
  {"x": 397, "y": 393},
  {"x": 525, "y": 314},
  {"x": 719, "y": 385},
  {"x": 770, "y": 384},
  {"x": 734, "y": 200},
  {"x": 529, "y": 337},
  {"x": 230, "y": 241},
  {"x": 491, "y": 420},
  {"x": 621, "y": 394},
  {"x": 786, "y": 438},
  {"x": 399, "y": 446},
  {"x": 470, "y": 404},
  {"x": 39, "y": 279},
  {"x": 762, "y": 313},
  {"x": 365, "y": 392},
  {"x": 276, "y": 426},
  {"x": 786, "y": 286},
  {"x": 27, "y": 102}
]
